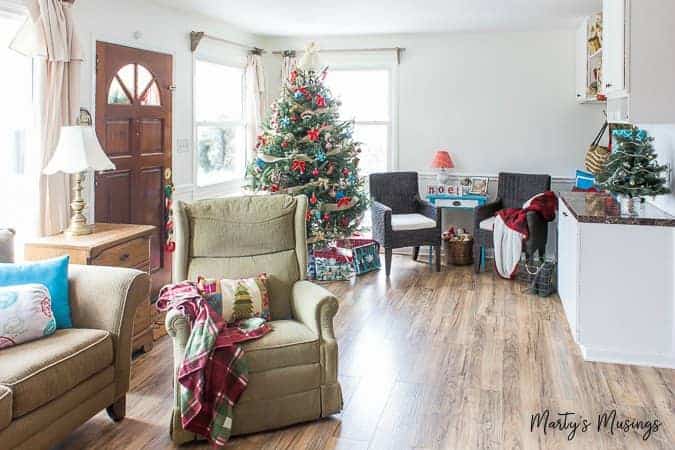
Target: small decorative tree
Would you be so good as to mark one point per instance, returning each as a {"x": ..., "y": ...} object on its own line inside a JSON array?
[
  {"x": 306, "y": 149},
  {"x": 632, "y": 169},
  {"x": 243, "y": 306}
]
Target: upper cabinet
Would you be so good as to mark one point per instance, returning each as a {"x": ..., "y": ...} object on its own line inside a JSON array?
[
  {"x": 616, "y": 19},
  {"x": 589, "y": 49}
]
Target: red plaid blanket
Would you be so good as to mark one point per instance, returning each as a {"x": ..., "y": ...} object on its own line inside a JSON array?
[{"x": 213, "y": 374}]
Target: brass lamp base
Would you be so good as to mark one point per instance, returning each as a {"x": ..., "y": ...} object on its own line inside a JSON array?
[{"x": 78, "y": 223}]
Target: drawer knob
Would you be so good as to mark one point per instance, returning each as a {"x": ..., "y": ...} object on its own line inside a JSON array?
[
  {"x": 456, "y": 203},
  {"x": 124, "y": 257}
]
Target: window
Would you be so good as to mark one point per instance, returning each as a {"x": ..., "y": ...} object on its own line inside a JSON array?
[
  {"x": 18, "y": 169},
  {"x": 134, "y": 83},
  {"x": 365, "y": 96},
  {"x": 219, "y": 122}
]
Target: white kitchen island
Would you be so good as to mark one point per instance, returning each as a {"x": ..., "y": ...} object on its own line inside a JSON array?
[{"x": 616, "y": 280}]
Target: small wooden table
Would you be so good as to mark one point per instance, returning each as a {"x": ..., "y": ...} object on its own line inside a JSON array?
[{"x": 117, "y": 245}]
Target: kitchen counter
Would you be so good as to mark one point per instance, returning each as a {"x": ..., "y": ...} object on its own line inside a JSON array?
[{"x": 589, "y": 207}]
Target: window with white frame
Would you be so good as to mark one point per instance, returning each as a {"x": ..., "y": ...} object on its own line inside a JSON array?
[
  {"x": 366, "y": 98},
  {"x": 19, "y": 170},
  {"x": 220, "y": 127}
]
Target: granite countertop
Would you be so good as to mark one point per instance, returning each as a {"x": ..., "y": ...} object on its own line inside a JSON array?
[{"x": 603, "y": 208}]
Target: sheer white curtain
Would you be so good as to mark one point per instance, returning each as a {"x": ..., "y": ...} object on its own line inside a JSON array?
[
  {"x": 288, "y": 62},
  {"x": 49, "y": 36},
  {"x": 256, "y": 101}
]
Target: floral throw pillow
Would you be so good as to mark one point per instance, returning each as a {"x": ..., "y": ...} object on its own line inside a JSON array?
[
  {"x": 238, "y": 299},
  {"x": 25, "y": 314}
]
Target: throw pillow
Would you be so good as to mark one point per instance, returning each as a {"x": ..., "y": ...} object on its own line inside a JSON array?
[
  {"x": 238, "y": 299},
  {"x": 25, "y": 314},
  {"x": 53, "y": 273}
]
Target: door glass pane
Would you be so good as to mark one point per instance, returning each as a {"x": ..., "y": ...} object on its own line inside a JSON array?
[
  {"x": 151, "y": 96},
  {"x": 218, "y": 92},
  {"x": 221, "y": 154},
  {"x": 364, "y": 93},
  {"x": 126, "y": 74},
  {"x": 374, "y": 143},
  {"x": 144, "y": 78},
  {"x": 116, "y": 95}
]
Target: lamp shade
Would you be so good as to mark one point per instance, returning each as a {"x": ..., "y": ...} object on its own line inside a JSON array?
[
  {"x": 442, "y": 160},
  {"x": 78, "y": 150}
]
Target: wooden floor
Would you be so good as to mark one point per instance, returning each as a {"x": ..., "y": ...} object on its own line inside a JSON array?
[{"x": 432, "y": 361}]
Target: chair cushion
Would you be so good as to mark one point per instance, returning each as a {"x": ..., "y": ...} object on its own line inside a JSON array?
[
  {"x": 487, "y": 224},
  {"x": 405, "y": 222},
  {"x": 5, "y": 407},
  {"x": 40, "y": 371},
  {"x": 290, "y": 343}
]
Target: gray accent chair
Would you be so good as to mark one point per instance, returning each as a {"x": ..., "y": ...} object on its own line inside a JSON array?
[
  {"x": 401, "y": 218},
  {"x": 293, "y": 369},
  {"x": 513, "y": 190}
]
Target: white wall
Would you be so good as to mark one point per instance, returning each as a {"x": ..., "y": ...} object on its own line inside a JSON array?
[
  {"x": 498, "y": 101},
  {"x": 163, "y": 30}
]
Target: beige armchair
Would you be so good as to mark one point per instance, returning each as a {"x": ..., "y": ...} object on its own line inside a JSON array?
[{"x": 293, "y": 369}]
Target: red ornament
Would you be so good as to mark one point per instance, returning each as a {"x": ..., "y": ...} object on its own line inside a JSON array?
[
  {"x": 308, "y": 216},
  {"x": 274, "y": 188},
  {"x": 313, "y": 199},
  {"x": 345, "y": 172},
  {"x": 320, "y": 101},
  {"x": 293, "y": 76},
  {"x": 284, "y": 144},
  {"x": 344, "y": 201},
  {"x": 315, "y": 172},
  {"x": 170, "y": 246},
  {"x": 313, "y": 135},
  {"x": 299, "y": 166},
  {"x": 326, "y": 217}
]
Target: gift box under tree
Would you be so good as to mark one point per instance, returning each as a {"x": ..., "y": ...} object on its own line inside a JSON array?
[
  {"x": 365, "y": 253},
  {"x": 333, "y": 264}
]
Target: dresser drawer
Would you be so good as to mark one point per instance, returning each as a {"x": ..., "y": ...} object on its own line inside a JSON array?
[
  {"x": 128, "y": 254},
  {"x": 455, "y": 203}
]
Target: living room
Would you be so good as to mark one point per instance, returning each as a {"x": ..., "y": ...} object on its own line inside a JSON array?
[{"x": 386, "y": 225}]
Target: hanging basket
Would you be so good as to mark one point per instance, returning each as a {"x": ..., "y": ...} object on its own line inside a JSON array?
[{"x": 597, "y": 155}]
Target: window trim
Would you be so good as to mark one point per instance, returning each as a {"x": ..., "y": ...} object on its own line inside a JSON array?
[
  {"x": 392, "y": 123},
  {"x": 227, "y": 186}
]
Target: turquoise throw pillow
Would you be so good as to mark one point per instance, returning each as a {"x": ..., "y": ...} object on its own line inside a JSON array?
[{"x": 52, "y": 273}]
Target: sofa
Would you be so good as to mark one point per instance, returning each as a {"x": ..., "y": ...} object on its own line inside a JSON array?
[
  {"x": 293, "y": 369},
  {"x": 50, "y": 386}
]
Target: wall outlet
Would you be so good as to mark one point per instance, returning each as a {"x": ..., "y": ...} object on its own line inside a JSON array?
[{"x": 183, "y": 146}]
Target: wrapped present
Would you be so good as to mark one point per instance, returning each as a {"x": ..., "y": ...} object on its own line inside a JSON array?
[
  {"x": 365, "y": 253},
  {"x": 333, "y": 264}
]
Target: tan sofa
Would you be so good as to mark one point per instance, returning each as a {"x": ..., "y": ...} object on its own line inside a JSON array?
[
  {"x": 51, "y": 386},
  {"x": 293, "y": 369}
]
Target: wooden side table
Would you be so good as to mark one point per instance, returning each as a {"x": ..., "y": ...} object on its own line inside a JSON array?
[{"x": 118, "y": 245}]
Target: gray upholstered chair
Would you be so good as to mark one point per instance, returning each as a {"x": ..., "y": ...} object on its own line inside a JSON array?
[
  {"x": 400, "y": 217},
  {"x": 513, "y": 190},
  {"x": 293, "y": 369}
]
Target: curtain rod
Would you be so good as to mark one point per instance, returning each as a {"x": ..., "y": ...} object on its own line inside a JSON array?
[
  {"x": 197, "y": 36},
  {"x": 398, "y": 51}
]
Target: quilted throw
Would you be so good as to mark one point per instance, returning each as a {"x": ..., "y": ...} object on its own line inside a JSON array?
[
  {"x": 25, "y": 314},
  {"x": 213, "y": 374},
  {"x": 511, "y": 230}
]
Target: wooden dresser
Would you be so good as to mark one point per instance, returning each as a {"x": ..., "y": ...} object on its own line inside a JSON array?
[{"x": 118, "y": 245}]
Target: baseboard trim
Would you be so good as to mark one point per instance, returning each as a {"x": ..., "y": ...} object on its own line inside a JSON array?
[{"x": 594, "y": 354}]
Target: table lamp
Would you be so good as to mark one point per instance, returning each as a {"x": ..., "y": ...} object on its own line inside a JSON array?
[
  {"x": 78, "y": 150},
  {"x": 442, "y": 161}
]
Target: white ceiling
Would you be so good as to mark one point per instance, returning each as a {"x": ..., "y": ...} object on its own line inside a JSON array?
[{"x": 343, "y": 17}]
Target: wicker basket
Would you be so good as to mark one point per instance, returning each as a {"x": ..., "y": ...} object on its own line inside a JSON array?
[
  {"x": 460, "y": 253},
  {"x": 537, "y": 277}
]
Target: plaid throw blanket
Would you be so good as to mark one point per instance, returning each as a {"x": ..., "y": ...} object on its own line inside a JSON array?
[{"x": 213, "y": 374}]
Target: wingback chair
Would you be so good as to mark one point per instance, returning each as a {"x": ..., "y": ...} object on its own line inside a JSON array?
[
  {"x": 513, "y": 190},
  {"x": 293, "y": 369},
  {"x": 401, "y": 218}
]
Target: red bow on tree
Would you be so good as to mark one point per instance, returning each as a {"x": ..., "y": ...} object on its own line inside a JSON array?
[
  {"x": 313, "y": 135},
  {"x": 320, "y": 101},
  {"x": 299, "y": 166},
  {"x": 344, "y": 201}
]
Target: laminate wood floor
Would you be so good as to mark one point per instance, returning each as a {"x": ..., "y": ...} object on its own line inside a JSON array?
[{"x": 433, "y": 361}]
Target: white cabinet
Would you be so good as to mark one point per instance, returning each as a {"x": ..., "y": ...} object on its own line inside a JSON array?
[
  {"x": 568, "y": 254},
  {"x": 616, "y": 15},
  {"x": 589, "y": 59}
]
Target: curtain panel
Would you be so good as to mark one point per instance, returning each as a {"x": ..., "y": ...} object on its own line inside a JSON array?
[
  {"x": 256, "y": 101},
  {"x": 50, "y": 37}
]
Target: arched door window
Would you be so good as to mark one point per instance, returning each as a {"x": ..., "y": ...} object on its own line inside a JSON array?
[{"x": 134, "y": 84}]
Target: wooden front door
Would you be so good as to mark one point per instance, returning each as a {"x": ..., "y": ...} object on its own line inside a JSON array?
[{"x": 133, "y": 123}]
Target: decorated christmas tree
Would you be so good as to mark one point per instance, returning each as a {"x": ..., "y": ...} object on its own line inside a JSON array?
[
  {"x": 306, "y": 149},
  {"x": 243, "y": 306},
  {"x": 632, "y": 168}
]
